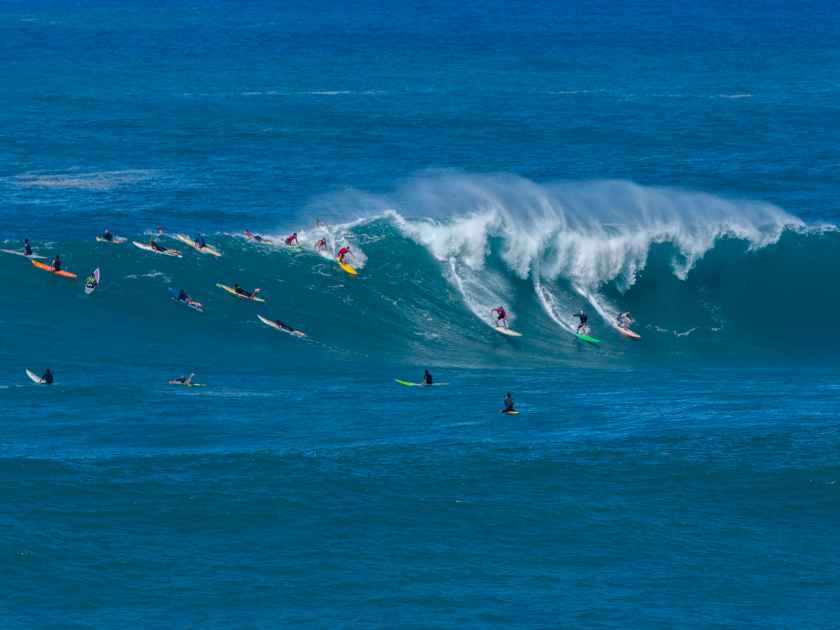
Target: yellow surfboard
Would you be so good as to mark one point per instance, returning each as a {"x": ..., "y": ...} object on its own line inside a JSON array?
[{"x": 347, "y": 268}]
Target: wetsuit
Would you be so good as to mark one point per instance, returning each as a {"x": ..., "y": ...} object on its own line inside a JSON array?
[
  {"x": 27, "y": 248},
  {"x": 182, "y": 296},
  {"x": 56, "y": 264},
  {"x": 584, "y": 318},
  {"x": 47, "y": 377},
  {"x": 427, "y": 378},
  {"x": 107, "y": 235},
  {"x": 508, "y": 404},
  {"x": 157, "y": 247},
  {"x": 243, "y": 292}
]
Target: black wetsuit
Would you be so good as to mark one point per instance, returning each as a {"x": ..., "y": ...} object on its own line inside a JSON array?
[
  {"x": 27, "y": 249},
  {"x": 56, "y": 263},
  {"x": 47, "y": 377},
  {"x": 508, "y": 404},
  {"x": 108, "y": 236},
  {"x": 182, "y": 296},
  {"x": 427, "y": 378},
  {"x": 584, "y": 318}
]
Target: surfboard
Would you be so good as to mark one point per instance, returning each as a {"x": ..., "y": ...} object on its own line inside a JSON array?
[
  {"x": 117, "y": 240},
  {"x": 35, "y": 378},
  {"x": 187, "y": 384},
  {"x": 232, "y": 291},
  {"x": 89, "y": 290},
  {"x": 628, "y": 333},
  {"x": 347, "y": 268},
  {"x": 510, "y": 413},
  {"x": 19, "y": 253},
  {"x": 276, "y": 326},
  {"x": 588, "y": 339},
  {"x": 196, "y": 306},
  {"x": 45, "y": 267},
  {"x": 207, "y": 249},
  {"x": 507, "y": 331},
  {"x": 411, "y": 384},
  {"x": 149, "y": 248}
]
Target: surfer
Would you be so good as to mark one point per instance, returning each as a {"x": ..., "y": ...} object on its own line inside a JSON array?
[
  {"x": 47, "y": 377},
  {"x": 56, "y": 263},
  {"x": 183, "y": 296},
  {"x": 27, "y": 248},
  {"x": 200, "y": 242},
  {"x": 182, "y": 380},
  {"x": 321, "y": 245},
  {"x": 292, "y": 239},
  {"x": 501, "y": 316},
  {"x": 584, "y": 319},
  {"x": 243, "y": 292},
  {"x": 508, "y": 402},
  {"x": 427, "y": 377},
  {"x": 624, "y": 319},
  {"x": 90, "y": 282},
  {"x": 155, "y": 246},
  {"x": 343, "y": 253},
  {"x": 107, "y": 236},
  {"x": 256, "y": 237},
  {"x": 285, "y": 327}
]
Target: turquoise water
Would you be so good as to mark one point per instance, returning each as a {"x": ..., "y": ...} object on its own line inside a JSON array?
[{"x": 677, "y": 162}]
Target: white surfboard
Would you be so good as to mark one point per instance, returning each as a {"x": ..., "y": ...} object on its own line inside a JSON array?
[
  {"x": 628, "y": 333},
  {"x": 276, "y": 326},
  {"x": 507, "y": 331},
  {"x": 207, "y": 249},
  {"x": 35, "y": 378},
  {"x": 149, "y": 248},
  {"x": 117, "y": 240},
  {"x": 19, "y": 253}
]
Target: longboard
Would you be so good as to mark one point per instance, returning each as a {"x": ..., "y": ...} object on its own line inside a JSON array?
[
  {"x": 207, "y": 249},
  {"x": 19, "y": 253},
  {"x": 35, "y": 378},
  {"x": 233, "y": 291},
  {"x": 507, "y": 331},
  {"x": 411, "y": 384},
  {"x": 588, "y": 339},
  {"x": 89, "y": 289},
  {"x": 117, "y": 240},
  {"x": 63, "y": 274},
  {"x": 276, "y": 326},
  {"x": 510, "y": 413},
  {"x": 149, "y": 248}
]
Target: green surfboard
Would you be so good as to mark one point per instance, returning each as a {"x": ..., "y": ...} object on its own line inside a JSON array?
[{"x": 588, "y": 339}]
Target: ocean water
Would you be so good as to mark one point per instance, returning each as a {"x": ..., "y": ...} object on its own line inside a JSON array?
[{"x": 679, "y": 162}]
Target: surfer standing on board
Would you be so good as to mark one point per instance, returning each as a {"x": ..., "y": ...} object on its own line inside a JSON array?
[
  {"x": 501, "y": 316},
  {"x": 584, "y": 319},
  {"x": 342, "y": 253},
  {"x": 624, "y": 319}
]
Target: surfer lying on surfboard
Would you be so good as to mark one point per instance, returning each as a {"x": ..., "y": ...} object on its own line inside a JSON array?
[
  {"x": 155, "y": 246},
  {"x": 256, "y": 237},
  {"x": 501, "y": 316},
  {"x": 244, "y": 292},
  {"x": 182, "y": 380}
]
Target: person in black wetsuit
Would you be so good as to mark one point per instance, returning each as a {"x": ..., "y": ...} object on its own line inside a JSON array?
[
  {"x": 182, "y": 296},
  {"x": 427, "y": 377},
  {"x": 154, "y": 245},
  {"x": 47, "y": 378},
  {"x": 107, "y": 236},
  {"x": 56, "y": 263},
  {"x": 27, "y": 248},
  {"x": 584, "y": 319},
  {"x": 200, "y": 242},
  {"x": 508, "y": 404},
  {"x": 244, "y": 292}
]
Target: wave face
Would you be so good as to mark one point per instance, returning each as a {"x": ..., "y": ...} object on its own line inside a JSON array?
[{"x": 706, "y": 279}]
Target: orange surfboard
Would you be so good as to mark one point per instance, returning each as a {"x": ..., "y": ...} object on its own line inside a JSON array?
[{"x": 63, "y": 274}]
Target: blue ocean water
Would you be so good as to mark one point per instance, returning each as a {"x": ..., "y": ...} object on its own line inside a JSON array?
[{"x": 678, "y": 162}]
